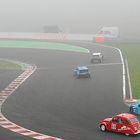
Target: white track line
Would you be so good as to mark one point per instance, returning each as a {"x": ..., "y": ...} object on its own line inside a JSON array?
[
  {"x": 105, "y": 64},
  {"x": 130, "y": 89},
  {"x": 4, "y": 94},
  {"x": 124, "y": 78}
]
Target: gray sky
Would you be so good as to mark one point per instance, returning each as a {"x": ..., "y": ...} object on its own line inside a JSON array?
[{"x": 85, "y": 16}]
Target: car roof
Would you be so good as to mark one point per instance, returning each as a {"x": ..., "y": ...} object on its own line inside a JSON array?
[
  {"x": 126, "y": 115},
  {"x": 82, "y": 68},
  {"x": 96, "y": 53},
  {"x": 135, "y": 104}
]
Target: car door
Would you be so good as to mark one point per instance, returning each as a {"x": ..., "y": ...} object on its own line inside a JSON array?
[
  {"x": 116, "y": 124},
  {"x": 121, "y": 127},
  {"x": 125, "y": 128}
]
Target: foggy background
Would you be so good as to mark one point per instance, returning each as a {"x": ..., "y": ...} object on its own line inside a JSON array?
[{"x": 73, "y": 16}]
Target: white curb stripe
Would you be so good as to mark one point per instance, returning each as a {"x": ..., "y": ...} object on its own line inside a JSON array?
[
  {"x": 7, "y": 126},
  {"x": 17, "y": 130},
  {"x": 106, "y": 64},
  {"x": 27, "y": 134},
  {"x": 14, "y": 127},
  {"x": 42, "y": 137}
]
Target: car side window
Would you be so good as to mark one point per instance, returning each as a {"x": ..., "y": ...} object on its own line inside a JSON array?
[
  {"x": 115, "y": 119},
  {"x": 120, "y": 121},
  {"x": 126, "y": 122}
]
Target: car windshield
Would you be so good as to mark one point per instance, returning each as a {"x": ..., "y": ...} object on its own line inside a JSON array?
[
  {"x": 84, "y": 71},
  {"x": 134, "y": 120},
  {"x": 96, "y": 55}
]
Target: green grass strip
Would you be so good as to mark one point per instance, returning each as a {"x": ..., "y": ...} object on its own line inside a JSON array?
[
  {"x": 11, "y": 65},
  {"x": 41, "y": 45}
]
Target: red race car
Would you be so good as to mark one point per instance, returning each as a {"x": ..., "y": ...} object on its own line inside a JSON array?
[{"x": 123, "y": 123}]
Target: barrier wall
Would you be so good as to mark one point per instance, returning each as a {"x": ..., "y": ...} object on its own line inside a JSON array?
[
  {"x": 59, "y": 37},
  {"x": 45, "y": 36}
]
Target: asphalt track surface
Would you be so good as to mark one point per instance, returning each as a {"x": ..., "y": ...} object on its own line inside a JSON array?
[{"x": 53, "y": 102}]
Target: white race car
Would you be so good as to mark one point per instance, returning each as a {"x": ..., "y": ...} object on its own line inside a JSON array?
[{"x": 97, "y": 57}]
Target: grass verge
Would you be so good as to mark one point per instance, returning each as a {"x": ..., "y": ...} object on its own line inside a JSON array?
[{"x": 11, "y": 65}]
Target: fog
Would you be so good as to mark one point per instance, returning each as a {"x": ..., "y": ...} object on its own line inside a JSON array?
[{"x": 75, "y": 16}]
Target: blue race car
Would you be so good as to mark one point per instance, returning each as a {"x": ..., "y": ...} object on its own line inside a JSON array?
[
  {"x": 82, "y": 71},
  {"x": 135, "y": 109}
]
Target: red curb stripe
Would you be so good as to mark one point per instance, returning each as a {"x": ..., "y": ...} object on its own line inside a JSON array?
[
  {"x": 3, "y": 120},
  {"x": 14, "y": 127},
  {"x": 4, "y": 94},
  {"x": 35, "y": 135},
  {"x": 5, "y": 124},
  {"x": 23, "y": 131}
]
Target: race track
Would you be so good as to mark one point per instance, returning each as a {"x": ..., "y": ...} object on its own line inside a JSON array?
[{"x": 53, "y": 102}]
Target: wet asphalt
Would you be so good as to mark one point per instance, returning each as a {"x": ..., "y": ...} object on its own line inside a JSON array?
[{"x": 53, "y": 102}]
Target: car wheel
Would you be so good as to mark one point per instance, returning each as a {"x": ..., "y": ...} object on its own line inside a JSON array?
[
  {"x": 103, "y": 127},
  {"x": 127, "y": 134}
]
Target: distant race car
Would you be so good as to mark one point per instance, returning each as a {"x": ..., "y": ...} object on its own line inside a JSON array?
[
  {"x": 82, "y": 71},
  {"x": 97, "y": 57},
  {"x": 135, "y": 109},
  {"x": 122, "y": 123}
]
